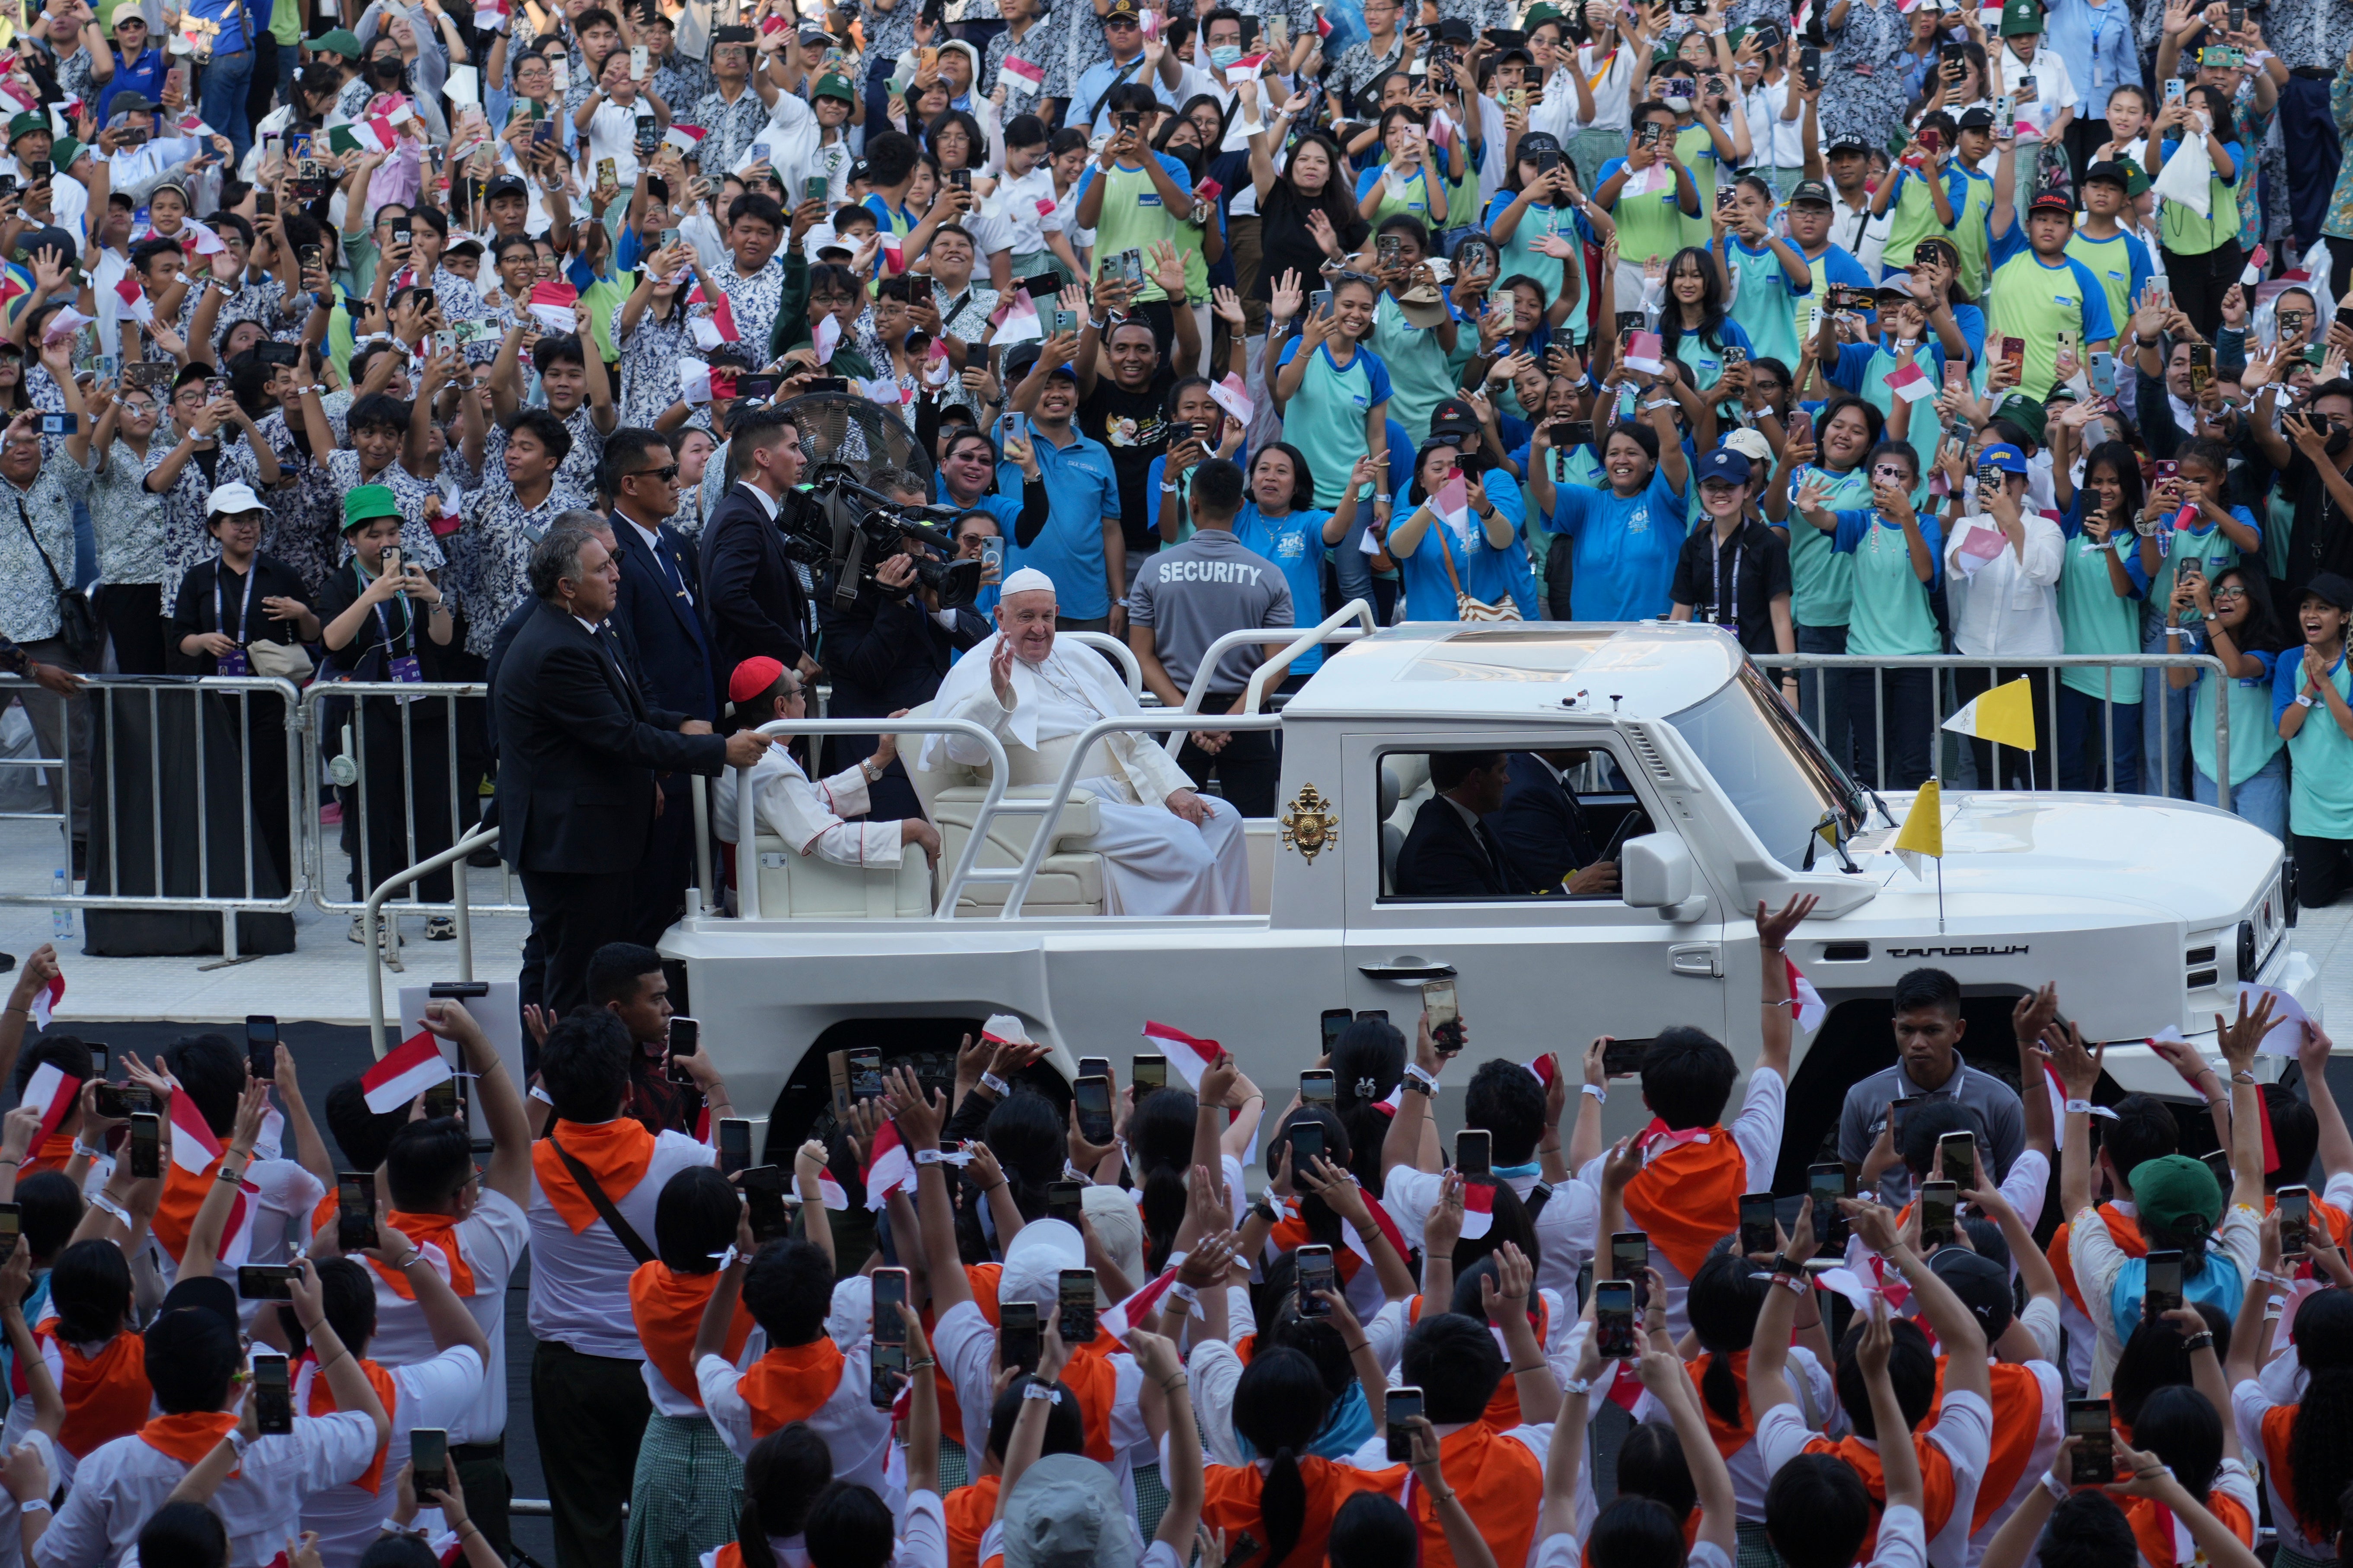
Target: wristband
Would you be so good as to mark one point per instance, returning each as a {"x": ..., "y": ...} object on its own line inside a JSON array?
[
  {"x": 929, "y": 1156},
  {"x": 2199, "y": 1342},
  {"x": 1596, "y": 1090},
  {"x": 2055, "y": 1486},
  {"x": 995, "y": 1086},
  {"x": 1415, "y": 1075},
  {"x": 1033, "y": 1389},
  {"x": 2304, "y": 700},
  {"x": 1072, "y": 1174},
  {"x": 33, "y": 1505},
  {"x": 1577, "y": 1385},
  {"x": 107, "y": 1205},
  {"x": 1180, "y": 1291}
]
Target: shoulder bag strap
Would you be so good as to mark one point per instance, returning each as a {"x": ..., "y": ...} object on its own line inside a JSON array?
[
  {"x": 1446, "y": 553},
  {"x": 23, "y": 518},
  {"x": 622, "y": 1230},
  {"x": 1096, "y": 107}
]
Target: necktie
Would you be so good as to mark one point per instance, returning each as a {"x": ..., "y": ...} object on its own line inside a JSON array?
[
  {"x": 670, "y": 570},
  {"x": 1493, "y": 851}
]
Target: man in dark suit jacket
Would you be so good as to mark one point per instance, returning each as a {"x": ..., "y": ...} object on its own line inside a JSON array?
[
  {"x": 753, "y": 605},
  {"x": 659, "y": 586},
  {"x": 1451, "y": 853},
  {"x": 890, "y": 651},
  {"x": 578, "y": 749},
  {"x": 1542, "y": 826}
]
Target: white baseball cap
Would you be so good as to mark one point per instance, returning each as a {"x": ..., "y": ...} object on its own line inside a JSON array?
[{"x": 233, "y": 498}]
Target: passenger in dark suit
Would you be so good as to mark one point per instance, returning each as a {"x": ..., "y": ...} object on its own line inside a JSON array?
[
  {"x": 889, "y": 652},
  {"x": 753, "y": 605},
  {"x": 659, "y": 586},
  {"x": 1451, "y": 853},
  {"x": 1542, "y": 826},
  {"x": 578, "y": 749}
]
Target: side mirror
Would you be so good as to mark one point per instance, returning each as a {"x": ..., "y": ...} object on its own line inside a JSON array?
[{"x": 1656, "y": 872}]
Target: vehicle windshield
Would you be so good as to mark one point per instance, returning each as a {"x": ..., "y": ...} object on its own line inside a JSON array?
[{"x": 1775, "y": 773}]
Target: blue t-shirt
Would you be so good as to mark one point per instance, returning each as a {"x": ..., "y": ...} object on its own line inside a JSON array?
[
  {"x": 1293, "y": 542},
  {"x": 1624, "y": 549},
  {"x": 1081, "y": 491}
]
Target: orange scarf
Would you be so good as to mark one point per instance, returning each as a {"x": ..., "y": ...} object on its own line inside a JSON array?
[
  {"x": 189, "y": 1437},
  {"x": 2152, "y": 1524},
  {"x": 1229, "y": 1501},
  {"x": 1687, "y": 1198},
  {"x": 106, "y": 1395},
  {"x": 1501, "y": 1484},
  {"x": 1290, "y": 1234},
  {"x": 57, "y": 1150},
  {"x": 2335, "y": 1220},
  {"x": 1935, "y": 1478},
  {"x": 2279, "y": 1426},
  {"x": 2017, "y": 1401},
  {"x": 970, "y": 1510},
  {"x": 176, "y": 1210},
  {"x": 2123, "y": 1229},
  {"x": 668, "y": 1310},
  {"x": 730, "y": 1556},
  {"x": 1729, "y": 1439},
  {"x": 440, "y": 1229},
  {"x": 323, "y": 1403},
  {"x": 789, "y": 1383},
  {"x": 615, "y": 1152},
  {"x": 1503, "y": 1412}
]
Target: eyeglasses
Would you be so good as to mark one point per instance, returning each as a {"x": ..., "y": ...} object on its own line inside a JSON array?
[
  {"x": 2233, "y": 592},
  {"x": 1888, "y": 471}
]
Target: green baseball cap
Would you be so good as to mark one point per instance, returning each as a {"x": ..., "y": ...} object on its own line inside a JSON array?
[
  {"x": 2177, "y": 1195},
  {"x": 367, "y": 503},
  {"x": 1538, "y": 15},
  {"x": 340, "y": 41},
  {"x": 833, "y": 84},
  {"x": 2020, "y": 17}
]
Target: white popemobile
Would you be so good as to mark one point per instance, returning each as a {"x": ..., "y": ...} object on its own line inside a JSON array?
[{"x": 2147, "y": 913}]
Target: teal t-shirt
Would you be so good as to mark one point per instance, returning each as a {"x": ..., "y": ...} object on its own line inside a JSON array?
[
  {"x": 2320, "y": 774},
  {"x": 1326, "y": 416},
  {"x": 2210, "y": 547},
  {"x": 2094, "y": 618},
  {"x": 1821, "y": 580},
  {"x": 1891, "y": 614},
  {"x": 1518, "y": 256},
  {"x": 1764, "y": 301},
  {"x": 2254, "y": 734},
  {"x": 1293, "y": 542},
  {"x": 1421, "y": 372}
]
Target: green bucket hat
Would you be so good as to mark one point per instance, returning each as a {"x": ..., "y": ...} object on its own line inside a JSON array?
[
  {"x": 2027, "y": 415},
  {"x": 364, "y": 503},
  {"x": 2177, "y": 1195},
  {"x": 64, "y": 153},
  {"x": 26, "y": 123}
]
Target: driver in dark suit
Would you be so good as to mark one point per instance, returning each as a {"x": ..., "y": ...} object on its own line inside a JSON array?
[
  {"x": 1451, "y": 853},
  {"x": 1542, "y": 825}
]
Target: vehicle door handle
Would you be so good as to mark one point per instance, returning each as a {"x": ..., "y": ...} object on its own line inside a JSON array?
[
  {"x": 1406, "y": 970},
  {"x": 1696, "y": 958}
]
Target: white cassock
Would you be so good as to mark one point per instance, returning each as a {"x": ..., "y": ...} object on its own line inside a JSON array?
[
  {"x": 1158, "y": 863},
  {"x": 809, "y": 816}
]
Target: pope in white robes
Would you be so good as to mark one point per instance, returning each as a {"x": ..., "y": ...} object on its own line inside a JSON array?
[{"x": 1168, "y": 851}]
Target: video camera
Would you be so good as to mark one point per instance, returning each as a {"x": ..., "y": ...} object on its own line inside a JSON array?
[{"x": 847, "y": 530}]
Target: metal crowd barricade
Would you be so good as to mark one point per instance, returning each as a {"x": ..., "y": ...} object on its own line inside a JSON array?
[
  {"x": 108, "y": 695},
  {"x": 2048, "y": 666},
  {"x": 322, "y": 743}
]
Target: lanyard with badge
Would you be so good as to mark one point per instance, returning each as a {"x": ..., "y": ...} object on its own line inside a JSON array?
[
  {"x": 397, "y": 666},
  {"x": 235, "y": 661},
  {"x": 1715, "y": 607}
]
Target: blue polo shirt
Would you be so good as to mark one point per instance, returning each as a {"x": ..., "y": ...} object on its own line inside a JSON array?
[
  {"x": 1624, "y": 549},
  {"x": 1081, "y": 491},
  {"x": 142, "y": 77}
]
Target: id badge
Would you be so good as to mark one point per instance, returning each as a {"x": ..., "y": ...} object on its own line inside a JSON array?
[
  {"x": 404, "y": 668},
  {"x": 234, "y": 662}
]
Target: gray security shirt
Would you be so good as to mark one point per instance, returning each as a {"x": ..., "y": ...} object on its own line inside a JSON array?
[
  {"x": 1197, "y": 592},
  {"x": 1865, "y": 1117}
]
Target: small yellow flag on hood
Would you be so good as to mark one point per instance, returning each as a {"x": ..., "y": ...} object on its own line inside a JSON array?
[
  {"x": 2004, "y": 715},
  {"x": 1922, "y": 837}
]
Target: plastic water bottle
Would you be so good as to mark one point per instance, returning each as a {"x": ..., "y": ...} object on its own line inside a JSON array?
[{"x": 61, "y": 915}]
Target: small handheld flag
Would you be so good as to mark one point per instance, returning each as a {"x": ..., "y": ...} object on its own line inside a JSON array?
[
  {"x": 417, "y": 1065},
  {"x": 2004, "y": 715}
]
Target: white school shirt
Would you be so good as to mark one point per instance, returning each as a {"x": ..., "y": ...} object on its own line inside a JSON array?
[
  {"x": 492, "y": 1239},
  {"x": 121, "y": 1484},
  {"x": 430, "y": 1394},
  {"x": 613, "y": 134},
  {"x": 1901, "y": 1544},
  {"x": 1963, "y": 1430},
  {"x": 1757, "y": 1131},
  {"x": 580, "y": 1284},
  {"x": 1612, "y": 96},
  {"x": 276, "y": 1221},
  {"x": 1013, "y": 207},
  {"x": 2054, "y": 90},
  {"x": 1567, "y": 1227},
  {"x": 2098, "y": 1260},
  {"x": 1774, "y": 143},
  {"x": 1816, "y": 1397},
  {"x": 858, "y": 1434},
  {"x": 967, "y": 1348},
  {"x": 2249, "y": 1402}
]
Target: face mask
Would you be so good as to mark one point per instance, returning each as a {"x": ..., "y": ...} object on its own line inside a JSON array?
[
  {"x": 1224, "y": 55},
  {"x": 2338, "y": 440},
  {"x": 388, "y": 70}
]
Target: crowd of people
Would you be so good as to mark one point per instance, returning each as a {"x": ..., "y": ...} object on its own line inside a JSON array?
[{"x": 966, "y": 1324}]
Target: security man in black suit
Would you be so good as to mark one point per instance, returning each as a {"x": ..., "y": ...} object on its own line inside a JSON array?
[
  {"x": 578, "y": 749},
  {"x": 1542, "y": 826},
  {"x": 658, "y": 610},
  {"x": 753, "y": 601},
  {"x": 1451, "y": 853}
]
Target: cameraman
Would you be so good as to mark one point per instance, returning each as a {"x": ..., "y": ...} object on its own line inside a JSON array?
[{"x": 889, "y": 650}]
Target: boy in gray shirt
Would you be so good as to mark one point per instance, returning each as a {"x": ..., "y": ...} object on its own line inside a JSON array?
[{"x": 1187, "y": 597}]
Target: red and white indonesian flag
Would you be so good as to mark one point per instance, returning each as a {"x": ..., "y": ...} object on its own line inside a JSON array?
[
  {"x": 1004, "y": 1029},
  {"x": 1138, "y": 1309},
  {"x": 405, "y": 1073},
  {"x": 828, "y": 338},
  {"x": 53, "y": 1092},
  {"x": 45, "y": 1000},
  {"x": 1911, "y": 382},
  {"x": 1234, "y": 397},
  {"x": 196, "y": 1151},
  {"x": 685, "y": 137},
  {"x": 1016, "y": 319},
  {"x": 831, "y": 1191},
  {"x": 693, "y": 383},
  {"x": 1187, "y": 1055},
  {"x": 199, "y": 239},
  {"x": 552, "y": 304},
  {"x": 64, "y": 324},
  {"x": 1543, "y": 1069},
  {"x": 1804, "y": 1000},
  {"x": 1245, "y": 69},
  {"x": 1478, "y": 1209},
  {"x": 889, "y": 1167},
  {"x": 1453, "y": 505},
  {"x": 1031, "y": 78},
  {"x": 135, "y": 303},
  {"x": 490, "y": 16},
  {"x": 718, "y": 327},
  {"x": 1382, "y": 1223}
]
